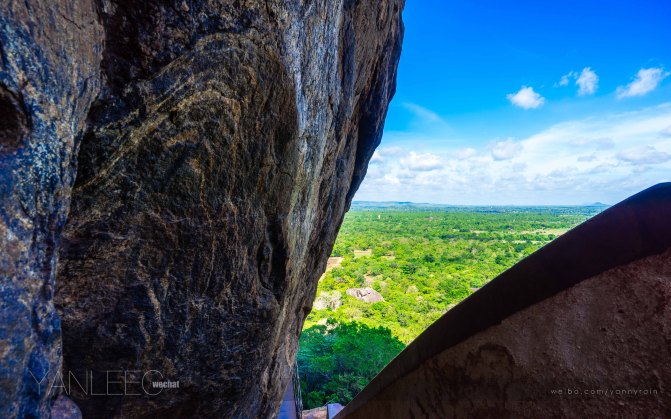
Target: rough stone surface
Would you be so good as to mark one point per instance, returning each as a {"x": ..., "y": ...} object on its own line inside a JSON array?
[
  {"x": 49, "y": 58},
  {"x": 64, "y": 408},
  {"x": 327, "y": 299},
  {"x": 316, "y": 413},
  {"x": 609, "y": 333},
  {"x": 367, "y": 294},
  {"x": 221, "y": 144},
  {"x": 218, "y": 160}
]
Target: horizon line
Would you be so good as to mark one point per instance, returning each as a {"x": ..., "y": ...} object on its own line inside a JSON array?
[{"x": 593, "y": 204}]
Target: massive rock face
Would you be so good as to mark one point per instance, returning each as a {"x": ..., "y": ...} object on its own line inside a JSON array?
[
  {"x": 49, "y": 58},
  {"x": 216, "y": 165},
  {"x": 221, "y": 144}
]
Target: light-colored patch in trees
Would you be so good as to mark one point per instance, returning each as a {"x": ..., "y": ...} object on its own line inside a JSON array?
[{"x": 361, "y": 253}]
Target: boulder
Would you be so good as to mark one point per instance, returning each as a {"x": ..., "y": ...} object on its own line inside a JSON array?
[
  {"x": 327, "y": 299},
  {"x": 366, "y": 294},
  {"x": 214, "y": 147},
  {"x": 216, "y": 165}
]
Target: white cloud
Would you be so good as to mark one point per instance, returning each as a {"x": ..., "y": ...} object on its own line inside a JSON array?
[
  {"x": 422, "y": 162},
  {"x": 505, "y": 150},
  {"x": 466, "y": 153},
  {"x": 595, "y": 159},
  {"x": 526, "y": 98},
  {"x": 425, "y": 114},
  {"x": 666, "y": 132},
  {"x": 587, "y": 82},
  {"x": 644, "y": 154},
  {"x": 646, "y": 80},
  {"x": 586, "y": 158},
  {"x": 382, "y": 153},
  {"x": 391, "y": 179},
  {"x": 603, "y": 143},
  {"x": 566, "y": 78}
]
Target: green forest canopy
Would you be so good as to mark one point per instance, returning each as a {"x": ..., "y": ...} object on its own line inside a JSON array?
[{"x": 423, "y": 260}]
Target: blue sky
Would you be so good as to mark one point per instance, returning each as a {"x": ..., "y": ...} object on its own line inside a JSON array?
[{"x": 527, "y": 102}]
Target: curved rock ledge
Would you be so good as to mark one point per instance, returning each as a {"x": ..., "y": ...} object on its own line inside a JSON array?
[{"x": 589, "y": 312}]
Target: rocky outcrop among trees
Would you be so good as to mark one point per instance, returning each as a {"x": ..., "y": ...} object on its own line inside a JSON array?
[{"x": 367, "y": 294}]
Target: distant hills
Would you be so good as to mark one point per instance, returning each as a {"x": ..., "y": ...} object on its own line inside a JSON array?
[
  {"x": 386, "y": 204},
  {"x": 408, "y": 205}
]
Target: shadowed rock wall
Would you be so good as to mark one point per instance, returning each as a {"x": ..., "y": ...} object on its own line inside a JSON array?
[
  {"x": 221, "y": 144},
  {"x": 600, "y": 349},
  {"x": 49, "y": 58},
  {"x": 217, "y": 164}
]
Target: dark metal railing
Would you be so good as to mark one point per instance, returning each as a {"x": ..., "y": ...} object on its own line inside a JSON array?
[{"x": 296, "y": 383}]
